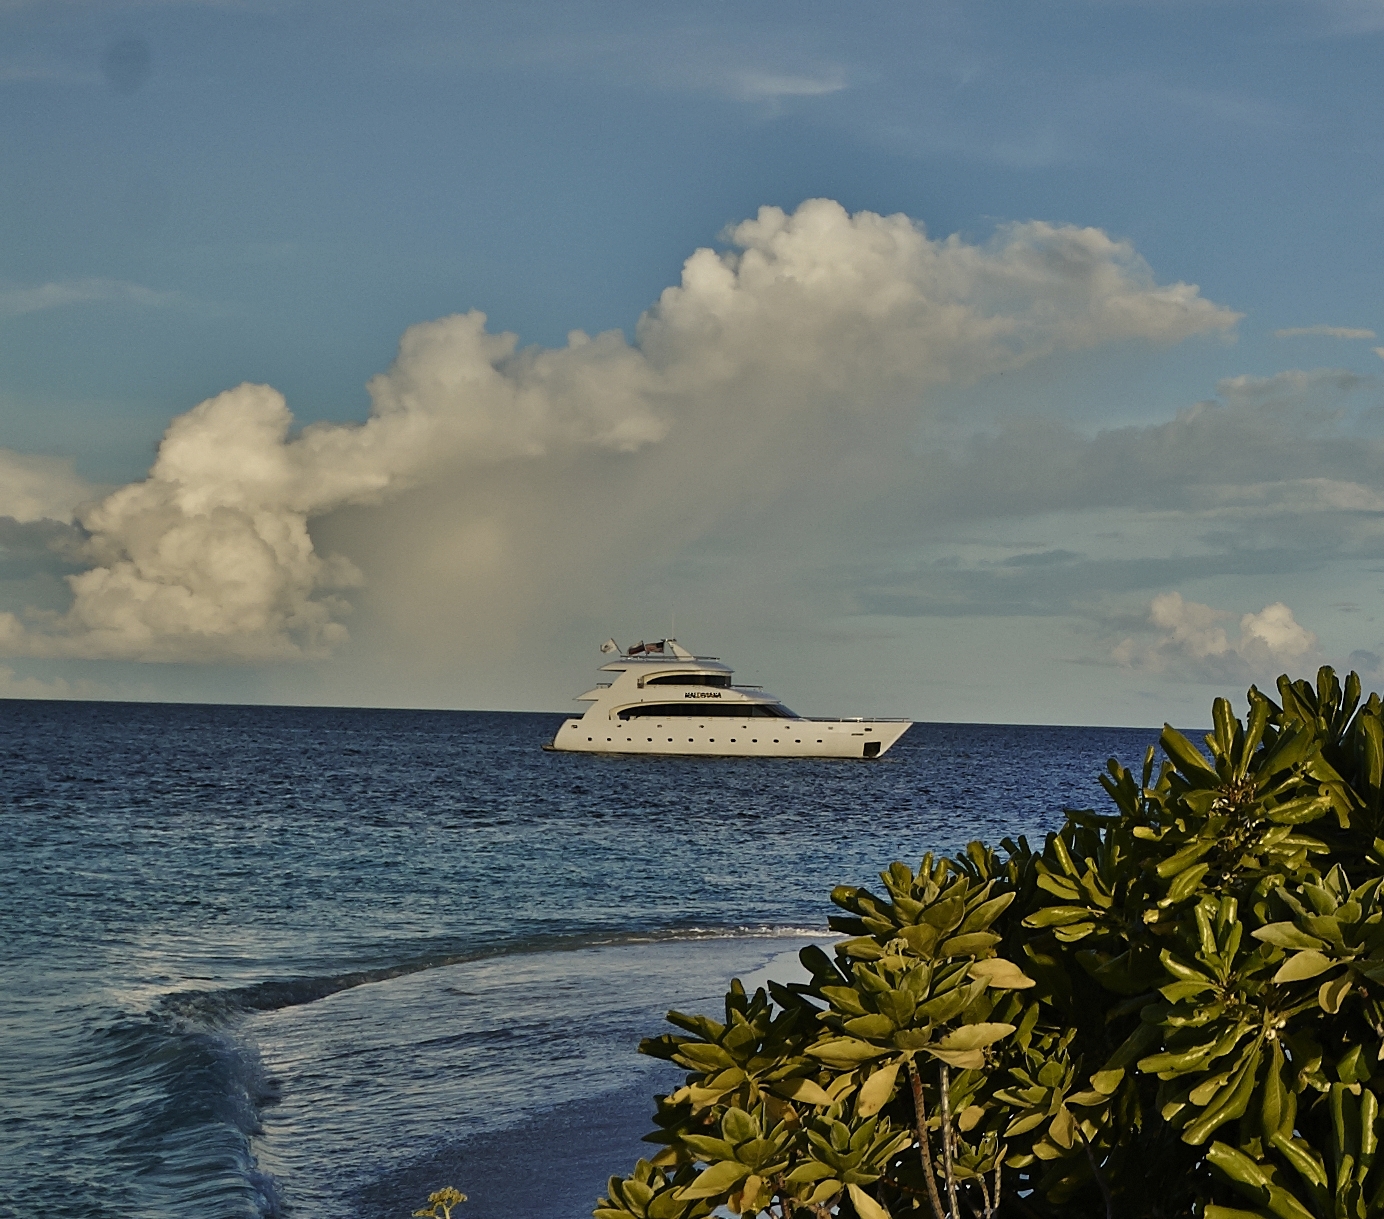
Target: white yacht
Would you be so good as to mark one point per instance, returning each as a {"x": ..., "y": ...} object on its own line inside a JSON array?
[{"x": 662, "y": 699}]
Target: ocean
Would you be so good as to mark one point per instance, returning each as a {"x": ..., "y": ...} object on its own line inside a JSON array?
[{"x": 307, "y": 962}]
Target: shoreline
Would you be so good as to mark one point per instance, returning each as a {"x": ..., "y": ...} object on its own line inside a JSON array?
[{"x": 554, "y": 1165}]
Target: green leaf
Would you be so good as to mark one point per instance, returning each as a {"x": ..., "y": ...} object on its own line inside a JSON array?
[
  {"x": 845, "y": 999},
  {"x": 870, "y": 1026},
  {"x": 1176, "y": 1061},
  {"x": 1106, "y": 1082},
  {"x": 1187, "y": 758},
  {"x": 845, "y": 1053},
  {"x": 1286, "y": 935},
  {"x": 945, "y": 915},
  {"x": 975, "y": 1036},
  {"x": 824, "y": 1191},
  {"x": 1228, "y": 1104},
  {"x": 922, "y": 939},
  {"x": 865, "y": 1206},
  {"x": 1057, "y": 916},
  {"x": 1303, "y": 965},
  {"x": 1298, "y": 812},
  {"x": 862, "y": 948},
  {"x": 909, "y": 1040},
  {"x": 716, "y": 1180},
  {"x": 965, "y": 1060},
  {"x": 804, "y": 1091},
  {"x": 944, "y": 1007},
  {"x": 1175, "y": 992},
  {"x": 971, "y": 944},
  {"x": 998, "y": 972},
  {"x": 1187, "y": 881},
  {"x": 1184, "y": 858},
  {"x": 738, "y": 1126},
  {"x": 986, "y": 913},
  {"x": 1024, "y": 1124},
  {"x": 876, "y": 1091},
  {"x": 1353, "y": 1066},
  {"x": 709, "y": 1149},
  {"x": 1331, "y": 994},
  {"x": 1239, "y": 1169},
  {"x": 705, "y": 1057}
]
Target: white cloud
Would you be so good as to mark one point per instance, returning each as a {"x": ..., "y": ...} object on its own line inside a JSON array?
[
  {"x": 756, "y": 85},
  {"x": 1323, "y": 332},
  {"x": 1273, "y": 636},
  {"x": 788, "y": 366},
  {"x": 16, "y": 300},
  {"x": 34, "y": 488},
  {"x": 1189, "y": 638}
]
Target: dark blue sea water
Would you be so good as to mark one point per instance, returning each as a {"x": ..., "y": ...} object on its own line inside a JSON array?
[{"x": 306, "y": 962}]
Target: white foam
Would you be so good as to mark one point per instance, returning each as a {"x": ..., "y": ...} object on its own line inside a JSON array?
[{"x": 373, "y": 1075}]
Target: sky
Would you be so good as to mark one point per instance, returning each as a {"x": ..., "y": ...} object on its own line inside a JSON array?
[{"x": 970, "y": 362}]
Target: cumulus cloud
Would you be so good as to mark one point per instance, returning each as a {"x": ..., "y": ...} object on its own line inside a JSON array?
[
  {"x": 792, "y": 360},
  {"x": 1192, "y": 640},
  {"x": 1323, "y": 332}
]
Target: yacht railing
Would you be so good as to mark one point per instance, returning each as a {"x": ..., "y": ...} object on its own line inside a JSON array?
[{"x": 856, "y": 719}]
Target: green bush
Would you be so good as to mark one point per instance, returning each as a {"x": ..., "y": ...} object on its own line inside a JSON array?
[{"x": 1174, "y": 1008}]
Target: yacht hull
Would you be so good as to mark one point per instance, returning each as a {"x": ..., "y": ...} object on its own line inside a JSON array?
[{"x": 723, "y": 737}]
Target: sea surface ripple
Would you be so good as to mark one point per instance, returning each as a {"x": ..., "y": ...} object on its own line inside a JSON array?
[{"x": 273, "y": 961}]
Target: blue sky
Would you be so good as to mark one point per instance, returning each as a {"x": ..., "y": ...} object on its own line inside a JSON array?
[{"x": 1037, "y": 524}]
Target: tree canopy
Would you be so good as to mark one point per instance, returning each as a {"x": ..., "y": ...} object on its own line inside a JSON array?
[{"x": 1175, "y": 1007}]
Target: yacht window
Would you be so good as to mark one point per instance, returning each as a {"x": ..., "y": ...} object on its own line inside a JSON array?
[
  {"x": 701, "y": 710},
  {"x": 721, "y": 680}
]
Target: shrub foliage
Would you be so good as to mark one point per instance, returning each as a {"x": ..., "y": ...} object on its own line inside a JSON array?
[{"x": 1175, "y": 1007}]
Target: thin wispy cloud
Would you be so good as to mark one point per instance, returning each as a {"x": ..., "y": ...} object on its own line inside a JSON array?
[
  {"x": 15, "y": 301},
  {"x": 757, "y": 85},
  {"x": 1323, "y": 332}
]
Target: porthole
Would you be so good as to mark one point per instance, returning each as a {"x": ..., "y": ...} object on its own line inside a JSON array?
[
  {"x": 732, "y": 740},
  {"x": 797, "y": 742},
  {"x": 754, "y": 741},
  {"x": 819, "y": 742},
  {"x": 651, "y": 740},
  {"x": 589, "y": 738}
]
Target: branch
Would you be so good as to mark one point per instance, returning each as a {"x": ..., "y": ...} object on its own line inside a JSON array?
[
  {"x": 924, "y": 1145},
  {"x": 944, "y": 1083}
]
